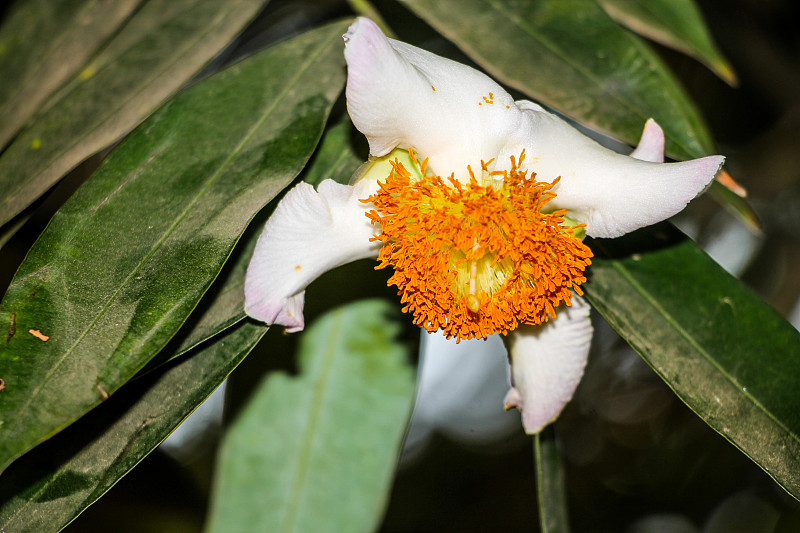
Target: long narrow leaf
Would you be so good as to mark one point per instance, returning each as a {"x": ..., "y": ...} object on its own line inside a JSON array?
[
  {"x": 42, "y": 44},
  {"x": 728, "y": 355},
  {"x": 674, "y": 23},
  {"x": 317, "y": 451},
  {"x": 339, "y": 154},
  {"x": 53, "y": 484},
  {"x": 124, "y": 262},
  {"x": 159, "y": 49}
]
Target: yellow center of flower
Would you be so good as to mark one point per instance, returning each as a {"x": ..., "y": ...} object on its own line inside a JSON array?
[{"x": 479, "y": 258}]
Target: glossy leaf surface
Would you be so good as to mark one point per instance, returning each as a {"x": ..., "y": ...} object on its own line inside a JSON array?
[
  {"x": 316, "y": 451},
  {"x": 50, "y": 486},
  {"x": 157, "y": 51},
  {"x": 726, "y": 353},
  {"x": 44, "y": 43},
  {"x": 570, "y": 55},
  {"x": 675, "y": 23},
  {"x": 124, "y": 262},
  {"x": 342, "y": 150},
  {"x": 336, "y": 158},
  {"x": 222, "y": 306}
]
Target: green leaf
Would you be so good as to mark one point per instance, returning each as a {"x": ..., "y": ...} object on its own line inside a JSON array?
[
  {"x": 157, "y": 51},
  {"x": 342, "y": 150},
  {"x": 45, "y": 42},
  {"x": 124, "y": 262},
  {"x": 317, "y": 451},
  {"x": 551, "y": 492},
  {"x": 675, "y": 23},
  {"x": 570, "y": 55},
  {"x": 50, "y": 486},
  {"x": 726, "y": 353},
  {"x": 223, "y": 305},
  {"x": 736, "y": 205}
]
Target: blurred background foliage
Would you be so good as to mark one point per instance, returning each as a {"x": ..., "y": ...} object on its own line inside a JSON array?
[{"x": 635, "y": 458}]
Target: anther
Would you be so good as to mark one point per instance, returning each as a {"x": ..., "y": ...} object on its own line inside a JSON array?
[
  {"x": 530, "y": 261},
  {"x": 473, "y": 303}
]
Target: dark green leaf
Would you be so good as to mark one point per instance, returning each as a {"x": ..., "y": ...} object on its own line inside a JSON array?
[
  {"x": 124, "y": 262},
  {"x": 674, "y": 23},
  {"x": 736, "y": 205},
  {"x": 47, "y": 488},
  {"x": 223, "y": 305},
  {"x": 161, "y": 47},
  {"x": 570, "y": 55},
  {"x": 342, "y": 150},
  {"x": 317, "y": 451},
  {"x": 42, "y": 44},
  {"x": 551, "y": 491},
  {"x": 727, "y": 354}
]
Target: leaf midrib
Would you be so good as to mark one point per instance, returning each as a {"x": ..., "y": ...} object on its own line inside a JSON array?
[
  {"x": 321, "y": 382},
  {"x": 274, "y": 104}
]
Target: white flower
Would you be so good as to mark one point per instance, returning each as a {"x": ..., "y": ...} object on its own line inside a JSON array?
[{"x": 490, "y": 249}]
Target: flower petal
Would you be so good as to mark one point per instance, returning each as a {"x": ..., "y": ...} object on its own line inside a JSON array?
[
  {"x": 612, "y": 193},
  {"x": 547, "y": 363},
  {"x": 651, "y": 144},
  {"x": 398, "y": 94},
  {"x": 309, "y": 233}
]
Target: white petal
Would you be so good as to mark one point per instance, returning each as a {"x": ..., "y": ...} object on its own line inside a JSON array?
[
  {"x": 612, "y": 193},
  {"x": 651, "y": 144},
  {"x": 309, "y": 233},
  {"x": 547, "y": 363},
  {"x": 398, "y": 94},
  {"x": 391, "y": 99}
]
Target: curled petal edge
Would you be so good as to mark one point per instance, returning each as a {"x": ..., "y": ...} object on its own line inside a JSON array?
[
  {"x": 547, "y": 363},
  {"x": 612, "y": 194},
  {"x": 401, "y": 95},
  {"x": 651, "y": 143},
  {"x": 310, "y": 232}
]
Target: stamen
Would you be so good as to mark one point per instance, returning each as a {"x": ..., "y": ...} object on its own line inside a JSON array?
[
  {"x": 473, "y": 259},
  {"x": 473, "y": 303},
  {"x": 411, "y": 155}
]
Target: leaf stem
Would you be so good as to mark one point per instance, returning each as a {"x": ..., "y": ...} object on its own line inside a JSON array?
[{"x": 550, "y": 486}]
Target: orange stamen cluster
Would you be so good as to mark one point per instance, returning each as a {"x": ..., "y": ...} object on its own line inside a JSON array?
[{"x": 476, "y": 259}]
